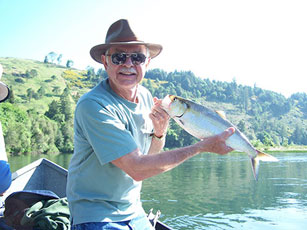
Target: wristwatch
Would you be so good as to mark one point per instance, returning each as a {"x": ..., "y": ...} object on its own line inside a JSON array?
[{"x": 157, "y": 137}]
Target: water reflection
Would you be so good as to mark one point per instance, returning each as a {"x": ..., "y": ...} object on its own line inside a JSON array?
[
  {"x": 219, "y": 192},
  {"x": 214, "y": 192}
]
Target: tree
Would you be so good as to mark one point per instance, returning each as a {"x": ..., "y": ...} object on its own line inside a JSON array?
[
  {"x": 69, "y": 63},
  {"x": 266, "y": 139},
  {"x": 43, "y": 134},
  {"x": 30, "y": 93},
  {"x": 51, "y": 57},
  {"x": 41, "y": 92},
  {"x": 297, "y": 136},
  {"x": 90, "y": 73},
  {"x": 242, "y": 126},
  {"x": 53, "y": 110},
  {"x": 11, "y": 98},
  {"x": 59, "y": 59},
  {"x": 16, "y": 129},
  {"x": 66, "y": 106},
  {"x": 32, "y": 73},
  {"x": 56, "y": 89}
]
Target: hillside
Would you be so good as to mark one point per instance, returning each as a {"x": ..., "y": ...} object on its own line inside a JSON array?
[
  {"x": 50, "y": 77},
  {"x": 40, "y": 110}
]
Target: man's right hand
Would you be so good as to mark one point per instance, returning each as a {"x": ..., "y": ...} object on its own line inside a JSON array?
[{"x": 217, "y": 144}]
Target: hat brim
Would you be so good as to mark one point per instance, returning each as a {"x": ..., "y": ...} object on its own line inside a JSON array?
[
  {"x": 4, "y": 92},
  {"x": 98, "y": 50}
]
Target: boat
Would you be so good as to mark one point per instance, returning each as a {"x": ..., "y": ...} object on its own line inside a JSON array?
[{"x": 44, "y": 174}]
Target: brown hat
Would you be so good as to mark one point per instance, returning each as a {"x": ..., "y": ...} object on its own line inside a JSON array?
[
  {"x": 4, "y": 90},
  {"x": 120, "y": 33}
]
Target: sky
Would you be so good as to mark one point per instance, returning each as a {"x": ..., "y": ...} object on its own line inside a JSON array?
[{"x": 254, "y": 42}]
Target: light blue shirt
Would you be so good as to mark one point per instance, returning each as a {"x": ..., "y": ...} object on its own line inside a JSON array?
[
  {"x": 107, "y": 127},
  {"x": 5, "y": 172}
]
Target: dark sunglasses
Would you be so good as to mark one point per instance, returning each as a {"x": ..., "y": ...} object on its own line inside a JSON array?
[{"x": 120, "y": 58}]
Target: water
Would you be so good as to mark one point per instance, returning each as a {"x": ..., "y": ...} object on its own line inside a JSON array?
[{"x": 219, "y": 192}]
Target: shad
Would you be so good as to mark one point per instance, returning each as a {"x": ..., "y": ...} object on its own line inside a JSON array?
[{"x": 202, "y": 122}]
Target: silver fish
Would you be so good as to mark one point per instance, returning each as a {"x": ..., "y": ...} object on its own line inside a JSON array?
[{"x": 202, "y": 122}]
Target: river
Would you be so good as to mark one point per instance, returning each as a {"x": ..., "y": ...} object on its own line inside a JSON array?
[{"x": 219, "y": 192}]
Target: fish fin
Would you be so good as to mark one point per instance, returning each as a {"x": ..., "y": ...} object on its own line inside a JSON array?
[
  {"x": 255, "y": 167},
  {"x": 260, "y": 157},
  {"x": 221, "y": 113},
  {"x": 265, "y": 157},
  {"x": 181, "y": 121}
]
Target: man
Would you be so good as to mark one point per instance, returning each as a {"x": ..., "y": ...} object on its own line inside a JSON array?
[
  {"x": 5, "y": 172},
  {"x": 119, "y": 134}
]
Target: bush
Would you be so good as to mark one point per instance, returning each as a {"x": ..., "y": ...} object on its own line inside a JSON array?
[{"x": 19, "y": 80}]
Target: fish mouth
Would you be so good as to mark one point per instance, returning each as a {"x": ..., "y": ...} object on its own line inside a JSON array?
[
  {"x": 174, "y": 98},
  {"x": 179, "y": 116}
]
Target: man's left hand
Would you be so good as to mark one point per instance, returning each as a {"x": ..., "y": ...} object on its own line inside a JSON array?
[{"x": 159, "y": 117}]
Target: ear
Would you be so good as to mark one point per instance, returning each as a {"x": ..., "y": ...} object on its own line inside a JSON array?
[
  {"x": 104, "y": 61},
  {"x": 147, "y": 62}
]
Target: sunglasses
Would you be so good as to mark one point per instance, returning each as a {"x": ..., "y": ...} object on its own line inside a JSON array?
[{"x": 120, "y": 58}]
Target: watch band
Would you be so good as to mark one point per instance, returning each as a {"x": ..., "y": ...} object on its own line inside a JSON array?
[{"x": 156, "y": 137}]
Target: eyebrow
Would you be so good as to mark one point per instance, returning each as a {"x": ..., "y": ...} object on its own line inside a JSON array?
[{"x": 119, "y": 49}]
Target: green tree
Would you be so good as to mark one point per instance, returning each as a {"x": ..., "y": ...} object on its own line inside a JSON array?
[
  {"x": 41, "y": 92},
  {"x": 59, "y": 59},
  {"x": 266, "y": 139},
  {"x": 242, "y": 126},
  {"x": 30, "y": 93},
  {"x": 56, "y": 90},
  {"x": 53, "y": 110},
  {"x": 11, "y": 98},
  {"x": 69, "y": 63},
  {"x": 51, "y": 57},
  {"x": 43, "y": 132},
  {"x": 16, "y": 129},
  {"x": 32, "y": 73},
  {"x": 66, "y": 104}
]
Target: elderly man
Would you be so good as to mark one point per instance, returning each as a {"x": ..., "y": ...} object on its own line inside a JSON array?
[
  {"x": 5, "y": 172},
  {"x": 119, "y": 133}
]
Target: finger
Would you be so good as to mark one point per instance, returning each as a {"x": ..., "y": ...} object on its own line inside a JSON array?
[
  {"x": 155, "y": 114},
  {"x": 159, "y": 108},
  {"x": 162, "y": 113},
  {"x": 228, "y": 132},
  {"x": 157, "y": 101}
]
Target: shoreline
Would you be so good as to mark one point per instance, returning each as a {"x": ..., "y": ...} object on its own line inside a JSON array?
[{"x": 295, "y": 148}]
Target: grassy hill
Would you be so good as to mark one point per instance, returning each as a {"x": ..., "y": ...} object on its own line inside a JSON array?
[
  {"x": 53, "y": 78},
  {"x": 262, "y": 115}
]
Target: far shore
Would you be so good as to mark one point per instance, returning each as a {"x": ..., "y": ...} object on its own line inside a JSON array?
[{"x": 290, "y": 148}]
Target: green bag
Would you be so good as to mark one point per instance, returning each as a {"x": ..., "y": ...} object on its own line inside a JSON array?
[{"x": 48, "y": 215}]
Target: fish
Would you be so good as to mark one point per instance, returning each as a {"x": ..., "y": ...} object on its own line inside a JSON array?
[{"x": 201, "y": 122}]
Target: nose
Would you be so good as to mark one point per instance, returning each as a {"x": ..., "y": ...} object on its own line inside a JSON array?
[{"x": 128, "y": 61}]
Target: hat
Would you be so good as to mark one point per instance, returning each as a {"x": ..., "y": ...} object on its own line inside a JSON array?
[
  {"x": 4, "y": 90},
  {"x": 120, "y": 33}
]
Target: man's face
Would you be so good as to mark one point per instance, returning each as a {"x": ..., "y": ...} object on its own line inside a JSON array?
[{"x": 125, "y": 75}]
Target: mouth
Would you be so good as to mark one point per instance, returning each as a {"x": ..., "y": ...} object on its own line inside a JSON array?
[{"x": 127, "y": 72}]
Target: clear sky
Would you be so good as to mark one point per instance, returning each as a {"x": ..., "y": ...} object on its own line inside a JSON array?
[{"x": 262, "y": 42}]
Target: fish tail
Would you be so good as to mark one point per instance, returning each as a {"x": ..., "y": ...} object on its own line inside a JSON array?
[
  {"x": 265, "y": 157},
  {"x": 260, "y": 157},
  {"x": 255, "y": 167}
]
